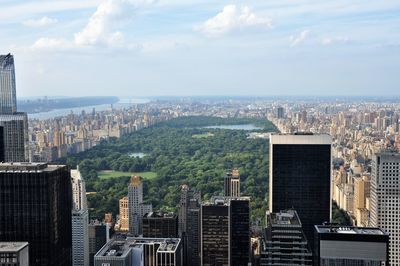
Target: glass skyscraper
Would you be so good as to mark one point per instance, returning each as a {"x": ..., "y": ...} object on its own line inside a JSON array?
[
  {"x": 8, "y": 100},
  {"x": 15, "y": 124},
  {"x": 300, "y": 178}
]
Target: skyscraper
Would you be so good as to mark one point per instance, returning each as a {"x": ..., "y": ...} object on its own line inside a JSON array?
[
  {"x": 80, "y": 237},
  {"x": 285, "y": 242},
  {"x": 2, "y": 144},
  {"x": 189, "y": 225},
  {"x": 80, "y": 221},
  {"x": 232, "y": 184},
  {"x": 15, "y": 124},
  {"x": 35, "y": 206},
  {"x": 123, "y": 214},
  {"x": 160, "y": 225},
  {"x": 385, "y": 199},
  {"x": 8, "y": 99},
  {"x": 299, "y": 178},
  {"x": 225, "y": 231},
  {"x": 136, "y": 206},
  {"x": 14, "y": 253},
  {"x": 349, "y": 246}
]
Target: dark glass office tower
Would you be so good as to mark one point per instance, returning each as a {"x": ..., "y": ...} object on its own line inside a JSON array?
[
  {"x": 225, "y": 231},
  {"x": 239, "y": 230},
  {"x": 300, "y": 174},
  {"x": 215, "y": 234},
  {"x": 35, "y": 206},
  {"x": 160, "y": 225}
]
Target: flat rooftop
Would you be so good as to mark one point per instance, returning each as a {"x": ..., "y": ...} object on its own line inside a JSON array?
[
  {"x": 326, "y": 229},
  {"x": 160, "y": 214},
  {"x": 286, "y": 217},
  {"x": 12, "y": 246},
  {"x": 28, "y": 167},
  {"x": 122, "y": 248}
]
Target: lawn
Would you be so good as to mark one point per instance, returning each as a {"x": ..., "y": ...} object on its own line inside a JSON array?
[
  {"x": 116, "y": 174},
  {"x": 203, "y": 136}
]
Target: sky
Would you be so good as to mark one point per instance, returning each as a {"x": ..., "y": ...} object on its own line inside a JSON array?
[{"x": 136, "y": 48}]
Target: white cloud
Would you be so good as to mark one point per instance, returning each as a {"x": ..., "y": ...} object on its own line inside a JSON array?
[
  {"x": 233, "y": 18},
  {"x": 42, "y": 22},
  {"x": 110, "y": 14},
  {"x": 295, "y": 41},
  {"x": 334, "y": 40},
  {"x": 51, "y": 44}
]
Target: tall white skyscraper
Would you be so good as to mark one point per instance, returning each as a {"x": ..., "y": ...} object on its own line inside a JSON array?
[
  {"x": 80, "y": 221},
  {"x": 15, "y": 124},
  {"x": 136, "y": 207},
  {"x": 385, "y": 199},
  {"x": 78, "y": 190}
]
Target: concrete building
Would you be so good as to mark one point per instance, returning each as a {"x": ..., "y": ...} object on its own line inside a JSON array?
[
  {"x": 35, "y": 207},
  {"x": 124, "y": 214},
  {"x": 99, "y": 235},
  {"x": 385, "y": 199},
  {"x": 300, "y": 177},
  {"x": 136, "y": 206},
  {"x": 78, "y": 190},
  {"x": 14, "y": 254},
  {"x": 348, "y": 246},
  {"x": 80, "y": 237},
  {"x": 232, "y": 184},
  {"x": 284, "y": 242},
  {"x": 137, "y": 251}
]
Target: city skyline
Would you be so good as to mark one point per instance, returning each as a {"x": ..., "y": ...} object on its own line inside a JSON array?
[{"x": 202, "y": 48}]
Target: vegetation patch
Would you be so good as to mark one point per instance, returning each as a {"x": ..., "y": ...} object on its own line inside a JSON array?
[
  {"x": 106, "y": 174},
  {"x": 203, "y": 136}
]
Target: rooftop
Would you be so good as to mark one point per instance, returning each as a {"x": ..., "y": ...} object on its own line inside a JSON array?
[
  {"x": 285, "y": 217},
  {"x": 334, "y": 229},
  {"x": 160, "y": 214},
  {"x": 28, "y": 167},
  {"x": 122, "y": 248},
  {"x": 12, "y": 246}
]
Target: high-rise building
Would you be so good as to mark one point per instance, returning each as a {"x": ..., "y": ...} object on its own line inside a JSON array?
[
  {"x": 15, "y": 124},
  {"x": 136, "y": 206},
  {"x": 2, "y": 155},
  {"x": 14, "y": 254},
  {"x": 78, "y": 190},
  {"x": 35, "y": 206},
  {"x": 385, "y": 199},
  {"x": 80, "y": 237},
  {"x": 80, "y": 221},
  {"x": 300, "y": 177},
  {"x": 348, "y": 246},
  {"x": 225, "y": 231},
  {"x": 280, "y": 112},
  {"x": 99, "y": 235},
  {"x": 285, "y": 242},
  {"x": 124, "y": 214},
  {"x": 189, "y": 225},
  {"x": 160, "y": 225},
  {"x": 140, "y": 251},
  {"x": 232, "y": 184},
  {"x": 8, "y": 99}
]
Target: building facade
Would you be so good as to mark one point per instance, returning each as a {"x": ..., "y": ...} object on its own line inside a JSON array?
[
  {"x": 35, "y": 206},
  {"x": 136, "y": 206},
  {"x": 348, "y": 246},
  {"x": 80, "y": 237},
  {"x": 225, "y": 231},
  {"x": 232, "y": 184},
  {"x": 284, "y": 241},
  {"x": 138, "y": 251},
  {"x": 385, "y": 199},
  {"x": 15, "y": 125},
  {"x": 14, "y": 254},
  {"x": 300, "y": 178},
  {"x": 160, "y": 225},
  {"x": 124, "y": 214}
]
